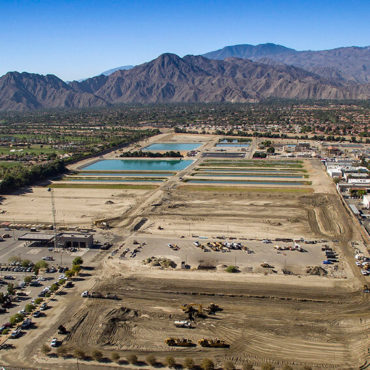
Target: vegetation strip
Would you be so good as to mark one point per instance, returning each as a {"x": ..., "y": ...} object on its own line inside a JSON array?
[
  {"x": 244, "y": 189},
  {"x": 103, "y": 186}
]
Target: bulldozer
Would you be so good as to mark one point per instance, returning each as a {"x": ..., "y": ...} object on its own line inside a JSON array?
[
  {"x": 214, "y": 343},
  {"x": 193, "y": 310},
  {"x": 213, "y": 308},
  {"x": 179, "y": 342}
]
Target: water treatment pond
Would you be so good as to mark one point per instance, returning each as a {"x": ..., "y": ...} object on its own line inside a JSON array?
[
  {"x": 138, "y": 165},
  {"x": 176, "y": 147}
]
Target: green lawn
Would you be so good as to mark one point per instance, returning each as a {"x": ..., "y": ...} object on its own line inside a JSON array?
[{"x": 34, "y": 149}]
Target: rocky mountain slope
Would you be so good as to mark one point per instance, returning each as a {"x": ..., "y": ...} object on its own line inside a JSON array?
[
  {"x": 350, "y": 64},
  {"x": 170, "y": 78}
]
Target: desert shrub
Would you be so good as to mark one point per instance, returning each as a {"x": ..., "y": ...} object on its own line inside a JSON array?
[
  {"x": 207, "y": 364},
  {"x": 45, "y": 349},
  {"x": 287, "y": 367},
  {"x": 189, "y": 363},
  {"x": 231, "y": 269},
  {"x": 267, "y": 367},
  {"x": 170, "y": 361},
  {"x": 97, "y": 355},
  {"x": 62, "y": 351},
  {"x": 248, "y": 367},
  {"x": 228, "y": 365},
  {"x": 115, "y": 357},
  {"x": 151, "y": 360},
  {"x": 132, "y": 359},
  {"x": 79, "y": 353}
]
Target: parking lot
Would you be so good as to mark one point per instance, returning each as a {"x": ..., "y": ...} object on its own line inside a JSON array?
[
  {"x": 14, "y": 273},
  {"x": 248, "y": 254}
]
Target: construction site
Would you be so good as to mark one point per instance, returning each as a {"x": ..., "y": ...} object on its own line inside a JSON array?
[{"x": 243, "y": 267}]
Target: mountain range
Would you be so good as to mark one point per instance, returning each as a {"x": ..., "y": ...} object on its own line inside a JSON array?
[{"x": 240, "y": 73}]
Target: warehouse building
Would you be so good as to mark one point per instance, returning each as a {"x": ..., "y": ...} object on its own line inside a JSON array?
[{"x": 64, "y": 240}]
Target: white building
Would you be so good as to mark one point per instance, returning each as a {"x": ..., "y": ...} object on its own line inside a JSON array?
[
  {"x": 366, "y": 201},
  {"x": 334, "y": 172}
]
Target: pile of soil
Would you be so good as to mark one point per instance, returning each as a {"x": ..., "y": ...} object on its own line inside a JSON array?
[{"x": 316, "y": 270}]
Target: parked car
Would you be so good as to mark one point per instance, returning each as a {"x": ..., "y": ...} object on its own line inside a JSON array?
[
  {"x": 15, "y": 333},
  {"x": 54, "y": 342},
  {"x": 36, "y": 314}
]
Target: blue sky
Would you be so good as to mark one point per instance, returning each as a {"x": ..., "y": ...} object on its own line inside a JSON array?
[{"x": 81, "y": 38}]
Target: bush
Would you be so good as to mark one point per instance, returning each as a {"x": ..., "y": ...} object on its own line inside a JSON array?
[
  {"x": 231, "y": 269},
  {"x": 45, "y": 349},
  {"x": 38, "y": 300},
  {"x": 62, "y": 351},
  {"x": 16, "y": 318},
  {"x": 228, "y": 365},
  {"x": 207, "y": 364},
  {"x": 79, "y": 353},
  {"x": 267, "y": 367},
  {"x": 189, "y": 363},
  {"x": 151, "y": 360},
  {"x": 248, "y": 367},
  {"x": 77, "y": 261},
  {"x": 170, "y": 361},
  {"x": 6, "y": 331},
  {"x": 132, "y": 359},
  {"x": 115, "y": 357},
  {"x": 54, "y": 287},
  {"x": 97, "y": 355},
  {"x": 287, "y": 367}
]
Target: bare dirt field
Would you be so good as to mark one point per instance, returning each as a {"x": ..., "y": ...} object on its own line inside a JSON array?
[
  {"x": 300, "y": 320},
  {"x": 73, "y": 206}
]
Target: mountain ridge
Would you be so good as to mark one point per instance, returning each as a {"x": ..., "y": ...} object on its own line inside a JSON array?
[{"x": 170, "y": 78}]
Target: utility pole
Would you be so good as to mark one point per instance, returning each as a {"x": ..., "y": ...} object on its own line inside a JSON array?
[{"x": 54, "y": 218}]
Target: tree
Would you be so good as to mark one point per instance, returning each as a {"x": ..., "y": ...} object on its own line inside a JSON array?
[
  {"x": 189, "y": 363},
  {"x": 170, "y": 361},
  {"x": 26, "y": 263},
  {"x": 29, "y": 307},
  {"x": 45, "y": 349},
  {"x": 271, "y": 149},
  {"x": 69, "y": 274},
  {"x": 76, "y": 269},
  {"x": 207, "y": 364},
  {"x": 151, "y": 360},
  {"x": 97, "y": 355},
  {"x": 228, "y": 365},
  {"x": 27, "y": 279},
  {"x": 77, "y": 261},
  {"x": 11, "y": 289},
  {"x": 132, "y": 359},
  {"x": 115, "y": 357},
  {"x": 54, "y": 287},
  {"x": 38, "y": 300}
]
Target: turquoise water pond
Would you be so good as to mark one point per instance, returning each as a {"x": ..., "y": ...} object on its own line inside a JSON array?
[
  {"x": 176, "y": 147},
  {"x": 138, "y": 165},
  {"x": 126, "y": 174}
]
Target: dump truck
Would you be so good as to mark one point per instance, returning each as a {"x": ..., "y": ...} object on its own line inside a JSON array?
[
  {"x": 214, "y": 343},
  {"x": 179, "y": 342}
]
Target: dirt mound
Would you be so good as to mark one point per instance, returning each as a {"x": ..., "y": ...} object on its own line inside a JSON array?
[
  {"x": 316, "y": 270},
  {"x": 116, "y": 322}
]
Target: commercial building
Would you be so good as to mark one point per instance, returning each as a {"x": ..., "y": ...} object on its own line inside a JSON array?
[{"x": 64, "y": 240}]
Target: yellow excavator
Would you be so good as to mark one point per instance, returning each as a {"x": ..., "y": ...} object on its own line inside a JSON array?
[
  {"x": 214, "y": 343},
  {"x": 193, "y": 310},
  {"x": 179, "y": 342},
  {"x": 213, "y": 308}
]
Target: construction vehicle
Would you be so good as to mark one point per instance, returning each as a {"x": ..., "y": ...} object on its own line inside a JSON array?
[
  {"x": 62, "y": 330},
  {"x": 179, "y": 342},
  {"x": 193, "y": 310},
  {"x": 213, "y": 308},
  {"x": 214, "y": 343},
  {"x": 366, "y": 289}
]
